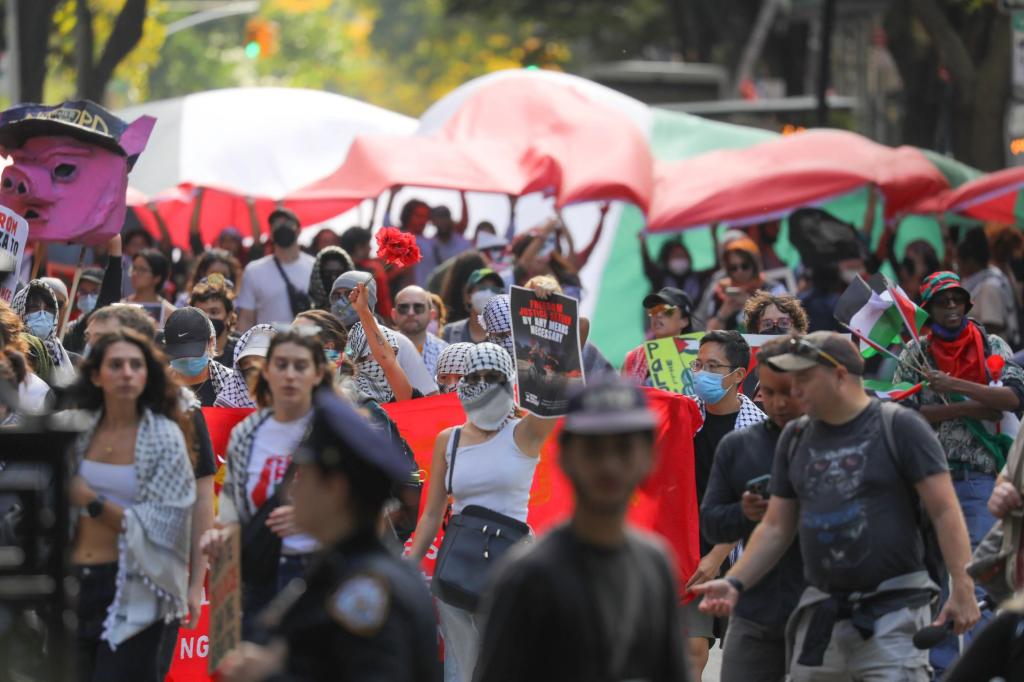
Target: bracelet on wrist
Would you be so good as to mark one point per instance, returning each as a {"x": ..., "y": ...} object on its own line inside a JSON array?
[{"x": 736, "y": 583}]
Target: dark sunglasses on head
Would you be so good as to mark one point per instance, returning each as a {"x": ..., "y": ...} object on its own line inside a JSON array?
[
  {"x": 807, "y": 349},
  {"x": 404, "y": 308}
]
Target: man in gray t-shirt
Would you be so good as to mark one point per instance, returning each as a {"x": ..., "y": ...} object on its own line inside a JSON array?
[{"x": 850, "y": 499}]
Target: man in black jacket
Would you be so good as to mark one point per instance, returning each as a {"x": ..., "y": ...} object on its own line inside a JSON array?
[
  {"x": 734, "y": 503},
  {"x": 592, "y": 600}
]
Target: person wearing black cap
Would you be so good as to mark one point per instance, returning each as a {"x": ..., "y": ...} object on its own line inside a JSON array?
[
  {"x": 191, "y": 342},
  {"x": 670, "y": 310},
  {"x": 592, "y": 599},
  {"x": 856, "y": 502},
  {"x": 359, "y": 612},
  {"x": 275, "y": 285}
]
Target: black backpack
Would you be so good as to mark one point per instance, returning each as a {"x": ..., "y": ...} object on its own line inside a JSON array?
[{"x": 933, "y": 560}]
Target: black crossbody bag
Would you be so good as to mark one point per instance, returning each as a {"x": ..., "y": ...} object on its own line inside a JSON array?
[
  {"x": 297, "y": 298},
  {"x": 474, "y": 542},
  {"x": 261, "y": 547}
]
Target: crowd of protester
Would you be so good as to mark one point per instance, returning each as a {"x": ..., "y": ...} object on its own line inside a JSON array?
[{"x": 833, "y": 525}]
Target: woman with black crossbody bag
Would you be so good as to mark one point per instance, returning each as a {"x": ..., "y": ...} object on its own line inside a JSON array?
[
  {"x": 253, "y": 499},
  {"x": 484, "y": 469}
]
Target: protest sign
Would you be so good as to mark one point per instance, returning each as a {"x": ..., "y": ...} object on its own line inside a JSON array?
[
  {"x": 225, "y": 601},
  {"x": 668, "y": 360},
  {"x": 546, "y": 338},
  {"x": 13, "y": 235}
]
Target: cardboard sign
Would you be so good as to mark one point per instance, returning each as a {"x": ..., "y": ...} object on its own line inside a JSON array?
[
  {"x": 13, "y": 236},
  {"x": 225, "y": 602},
  {"x": 546, "y": 338}
]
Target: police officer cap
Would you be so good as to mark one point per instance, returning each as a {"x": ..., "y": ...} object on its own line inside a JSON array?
[
  {"x": 349, "y": 280},
  {"x": 340, "y": 439}
]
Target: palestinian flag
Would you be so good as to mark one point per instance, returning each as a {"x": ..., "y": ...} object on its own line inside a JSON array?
[
  {"x": 869, "y": 315},
  {"x": 888, "y": 391},
  {"x": 910, "y": 313}
]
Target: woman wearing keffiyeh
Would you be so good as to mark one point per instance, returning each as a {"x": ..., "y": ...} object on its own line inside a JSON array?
[
  {"x": 134, "y": 490},
  {"x": 960, "y": 402},
  {"x": 37, "y": 305}
]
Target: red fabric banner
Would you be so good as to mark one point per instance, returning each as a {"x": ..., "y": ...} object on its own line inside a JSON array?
[{"x": 666, "y": 503}]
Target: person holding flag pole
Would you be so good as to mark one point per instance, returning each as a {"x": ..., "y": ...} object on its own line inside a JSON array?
[{"x": 963, "y": 400}]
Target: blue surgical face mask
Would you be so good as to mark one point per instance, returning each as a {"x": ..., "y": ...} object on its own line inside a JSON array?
[
  {"x": 40, "y": 323},
  {"x": 345, "y": 312},
  {"x": 87, "y": 302},
  {"x": 708, "y": 386},
  {"x": 190, "y": 367}
]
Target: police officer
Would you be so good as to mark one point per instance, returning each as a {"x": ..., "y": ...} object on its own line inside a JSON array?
[{"x": 359, "y": 613}]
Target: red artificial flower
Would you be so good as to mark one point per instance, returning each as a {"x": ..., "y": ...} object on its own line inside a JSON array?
[{"x": 397, "y": 248}]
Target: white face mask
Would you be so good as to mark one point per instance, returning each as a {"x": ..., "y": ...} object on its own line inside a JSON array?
[
  {"x": 479, "y": 299},
  {"x": 486, "y": 405},
  {"x": 679, "y": 266}
]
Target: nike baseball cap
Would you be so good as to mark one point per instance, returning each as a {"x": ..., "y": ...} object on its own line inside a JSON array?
[{"x": 187, "y": 333}]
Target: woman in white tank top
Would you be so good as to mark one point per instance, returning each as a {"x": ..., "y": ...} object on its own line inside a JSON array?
[{"x": 497, "y": 455}]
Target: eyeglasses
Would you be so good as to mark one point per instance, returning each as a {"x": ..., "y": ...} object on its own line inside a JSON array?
[
  {"x": 217, "y": 280},
  {"x": 782, "y": 324},
  {"x": 735, "y": 267},
  {"x": 141, "y": 271},
  {"x": 805, "y": 348},
  {"x": 662, "y": 309},
  {"x": 711, "y": 366},
  {"x": 491, "y": 376},
  {"x": 405, "y": 308}
]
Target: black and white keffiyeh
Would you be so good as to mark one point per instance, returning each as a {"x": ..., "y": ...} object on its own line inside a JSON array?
[
  {"x": 489, "y": 356},
  {"x": 155, "y": 541},
  {"x": 232, "y": 390},
  {"x": 370, "y": 377},
  {"x": 432, "y": 349},
  {"x": 453, "y": 359},
  {"x": 748, "y": 415},
  {"x": 63, "y": 370},
  {"x": 497, "y": 320}
]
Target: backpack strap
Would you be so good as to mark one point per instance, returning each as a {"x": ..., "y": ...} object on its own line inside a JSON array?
[
  {"x": 792, "y": 439},
  {"x": 453, "y": 449},
  {"x": 889, "y": 410}
]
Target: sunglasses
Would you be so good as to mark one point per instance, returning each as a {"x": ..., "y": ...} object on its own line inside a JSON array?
[
  {"x": 661, "y": 309},
  {"x": 736, "y": 267},
  {"x": 405, "y": 308},
  {"x": 217, "y": 280},
  {"x": 805, "y": 348},
  {"x": 944, "y": 300},
  {"x": 486, "y": 376},
  {"x": 782, "y": 324}
]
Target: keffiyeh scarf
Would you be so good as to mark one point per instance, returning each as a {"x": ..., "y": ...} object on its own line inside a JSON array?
[
  {"x": 748, "y": 415},
  {"x": 319, "y": 294},
  {"x": 233, "y": 391},
  {"x": 63, "y": 370},
  {"x": 453, "y": 359},
  {"x": 370, "y": 377},
  {"x": 497, "y": 320},
  {"x": 154, "y": 544}
]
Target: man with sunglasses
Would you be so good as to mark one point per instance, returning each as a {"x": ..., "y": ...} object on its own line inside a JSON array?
[
  {"x": 719, "y": 370},
  {"x": 412, "y": 315},
  {"x": 670, "y": 311},
  {"x": 856, "y": 504},
  {"x": 961, "y": 405}
]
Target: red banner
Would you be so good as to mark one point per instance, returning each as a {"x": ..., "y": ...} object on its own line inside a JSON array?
[{"x": 666, "y": 503}]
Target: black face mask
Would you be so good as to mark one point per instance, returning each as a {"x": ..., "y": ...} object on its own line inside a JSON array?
[
  {"x": 218, "y": 327},
  {"x": 284, "y": 236}
]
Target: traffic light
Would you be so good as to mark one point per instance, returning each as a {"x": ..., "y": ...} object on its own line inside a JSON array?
[{"x": 260, "y": 38}]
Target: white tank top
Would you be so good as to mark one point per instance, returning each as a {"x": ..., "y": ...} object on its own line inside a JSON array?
[
  {"x": 116, "y": 482},
  {"x": 494, "y": 474}
]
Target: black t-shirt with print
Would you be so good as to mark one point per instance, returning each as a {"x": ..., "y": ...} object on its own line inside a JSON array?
[
  {"x": 206, "y": 461},
  {"x": 858, "y": 514}
]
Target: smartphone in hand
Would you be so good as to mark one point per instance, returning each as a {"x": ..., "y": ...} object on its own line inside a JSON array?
[{"x": 760, "y": 485}]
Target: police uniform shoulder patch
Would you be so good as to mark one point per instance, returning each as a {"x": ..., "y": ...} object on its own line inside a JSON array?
[{"x": 361, "y": 604}]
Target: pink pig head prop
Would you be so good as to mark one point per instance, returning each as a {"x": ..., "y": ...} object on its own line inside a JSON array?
[{"x": 69, "y": 172}]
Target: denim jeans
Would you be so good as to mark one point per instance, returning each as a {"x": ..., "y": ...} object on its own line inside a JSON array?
[
  {"x": 973, "y": 492},
  {"x": 134, "y": 659}
]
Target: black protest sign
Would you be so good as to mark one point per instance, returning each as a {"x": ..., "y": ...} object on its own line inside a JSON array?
[{"x": 546, "y": 337}]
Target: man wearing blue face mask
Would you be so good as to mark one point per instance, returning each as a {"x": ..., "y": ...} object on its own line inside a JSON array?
[
  {"x": 719, "y": 370},
  {"x": 190, "y": 342}
]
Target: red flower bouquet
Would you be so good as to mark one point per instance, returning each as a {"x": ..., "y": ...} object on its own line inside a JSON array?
[{"x": 397, "y": 248}]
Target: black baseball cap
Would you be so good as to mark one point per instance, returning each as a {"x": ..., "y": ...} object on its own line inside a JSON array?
[
  {"x": 670, "y": 296},
  {"x": 187, "y": 333},
  {"x": 830, "y": 349},
  {"x": 606, "y": 406},
  {"x": 282, "y": 212},
  {"x": 339, "y": 439},
  {"x": 480, "y": 275}
]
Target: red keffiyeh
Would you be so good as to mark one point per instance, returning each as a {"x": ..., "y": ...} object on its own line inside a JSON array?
[
  {"x": 397, "y": 248},
  {"x": 963, "y": 357}
]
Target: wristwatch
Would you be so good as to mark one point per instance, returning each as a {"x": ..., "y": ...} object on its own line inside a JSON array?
[
  {"x": 736, "y": 583},
  {"x": 95, "y": 508}
]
